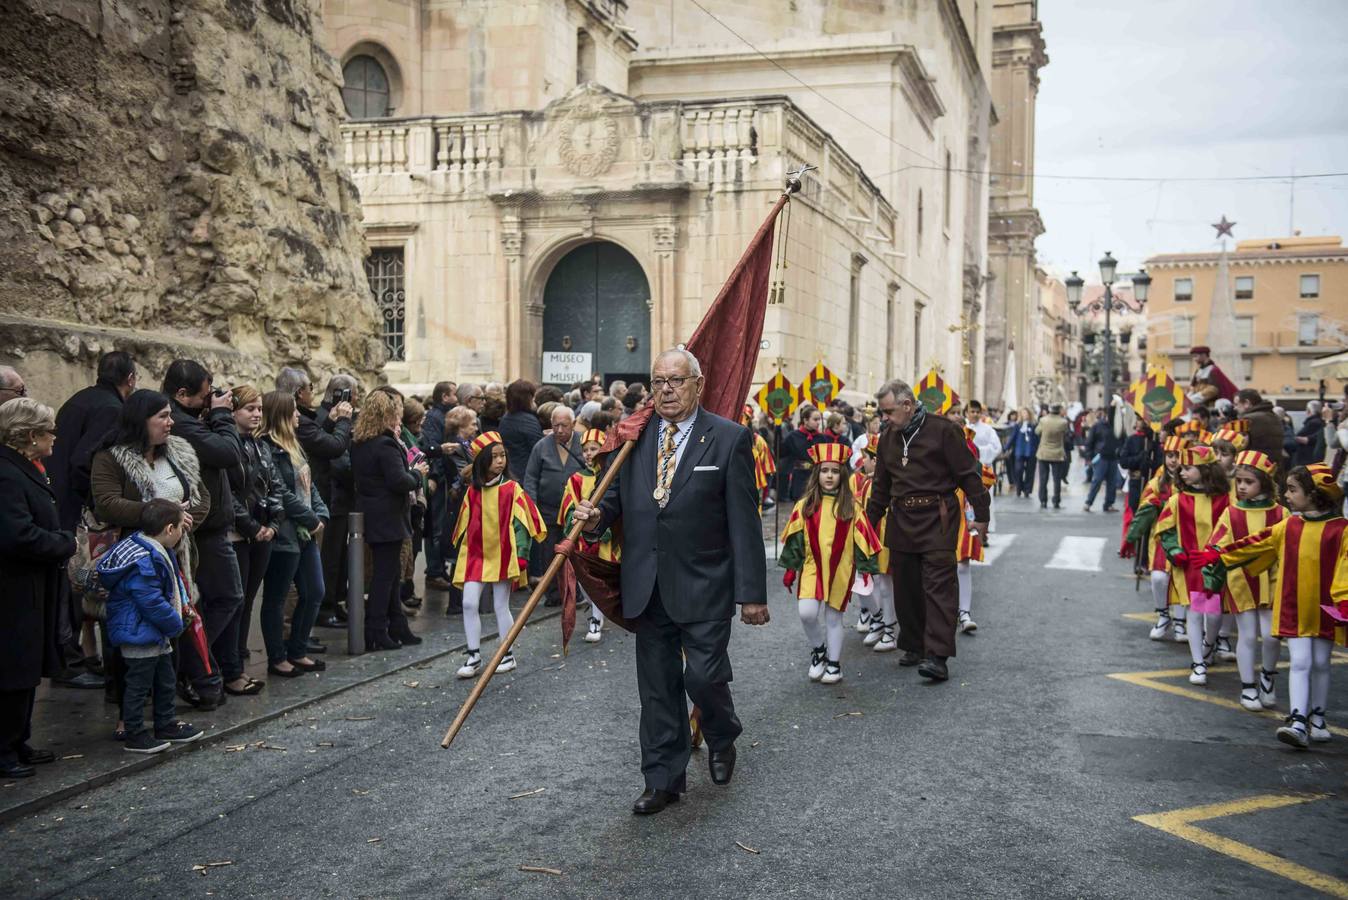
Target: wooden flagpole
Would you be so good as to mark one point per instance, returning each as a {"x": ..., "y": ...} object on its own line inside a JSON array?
[{"x": 539, "y": 590}]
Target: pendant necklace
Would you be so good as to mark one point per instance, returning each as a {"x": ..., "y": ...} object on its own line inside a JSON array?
[
  {"x": 906, "y": 442},
  {"x": 661, "y": 493}
]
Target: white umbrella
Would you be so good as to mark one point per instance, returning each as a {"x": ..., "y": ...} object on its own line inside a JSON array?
[{"x": 1010, "y": 391}]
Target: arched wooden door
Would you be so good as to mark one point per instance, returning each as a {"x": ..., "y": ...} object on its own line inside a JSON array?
[{"x": 597, "y": 301}]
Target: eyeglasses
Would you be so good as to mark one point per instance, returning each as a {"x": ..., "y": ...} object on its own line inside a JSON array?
[
  {"x": 20, "y": 391},
  {"x": 677, "y": 382}
]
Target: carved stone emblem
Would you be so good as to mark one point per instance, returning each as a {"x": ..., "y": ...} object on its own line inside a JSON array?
[{"x": 588, "y": 140}]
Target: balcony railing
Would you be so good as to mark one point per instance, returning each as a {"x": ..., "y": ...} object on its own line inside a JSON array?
[{"x": 721, "y": 145}]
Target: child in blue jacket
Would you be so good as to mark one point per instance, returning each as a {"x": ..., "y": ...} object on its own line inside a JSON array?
[{"x": 147, "y": 598}]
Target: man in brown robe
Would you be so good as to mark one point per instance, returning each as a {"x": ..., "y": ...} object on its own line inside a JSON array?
[{"x": 921, "y": 460}]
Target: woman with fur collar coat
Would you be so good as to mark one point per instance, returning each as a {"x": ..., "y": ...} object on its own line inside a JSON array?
[{"x": 141, "y": 461}]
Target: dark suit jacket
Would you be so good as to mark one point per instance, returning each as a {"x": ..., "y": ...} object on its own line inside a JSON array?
[
  {"x": 383, "y": 486},
  {"x": 705, "y": 548},
  {"x": 81, "y": 425}
]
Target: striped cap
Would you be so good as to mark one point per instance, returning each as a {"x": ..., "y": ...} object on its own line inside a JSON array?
[
  {"x": 1239, "y": 426},
  {"x": 1174, "y": 444},
  {"x": 1322, "y": 476},
  {"x": 1256, "y": 460},
  {"x": 594, "y": 436},
  {"x": 1198, "y": 455},
  {"x": 1190, "y": 426},
  {"x": 484, "y": 440},
  {"x": 1231, "y": 436},
  {"x": 872, "y": 447},
  {"x": 834, "y": 453}
]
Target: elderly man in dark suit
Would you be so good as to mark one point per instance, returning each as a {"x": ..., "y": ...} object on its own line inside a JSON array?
[
  {"x": 552, "y": 462},
  {"x": 692, "y": 551}
]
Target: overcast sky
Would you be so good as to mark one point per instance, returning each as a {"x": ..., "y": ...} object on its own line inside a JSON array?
[{"x": 1165, "y": 89}]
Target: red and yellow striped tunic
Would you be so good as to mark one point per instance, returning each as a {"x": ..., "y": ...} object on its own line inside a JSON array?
[
  {"x": 1192, "y": 517},
  {"x": 827, "y": 552},
  {"x": 1154, "y": 493},
  {"x": 1309, "y": 554},
  {"x": 861, "y": 492},
  {"x": 764, "y": 465},
  {"x": 579, "y": 487},
  {"x": 1250, "y": 586},
  {"x": 495, "y": 526},
  {"x": 969, "y": 546}
]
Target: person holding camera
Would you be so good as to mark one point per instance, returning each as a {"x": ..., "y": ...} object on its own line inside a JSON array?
[
  {"x": 204, "y": 416},
  {"x": 258, "y": 512}
]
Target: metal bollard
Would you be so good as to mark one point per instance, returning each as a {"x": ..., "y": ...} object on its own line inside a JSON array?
[{"x": 355, "y": 584}]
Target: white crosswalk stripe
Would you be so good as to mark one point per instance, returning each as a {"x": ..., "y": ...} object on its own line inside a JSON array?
[
  {"x": 1079, "y": 553},
  {"x": 999, "y": 544}
]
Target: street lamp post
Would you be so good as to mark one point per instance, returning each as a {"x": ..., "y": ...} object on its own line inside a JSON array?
[{"x": 1107, "y": 302}]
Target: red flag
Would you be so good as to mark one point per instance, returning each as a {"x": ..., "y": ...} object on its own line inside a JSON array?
[{"x": 727, "y": 340}]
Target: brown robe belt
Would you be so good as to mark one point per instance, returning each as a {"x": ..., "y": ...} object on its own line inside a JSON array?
[{"x": 922, "y": 501}]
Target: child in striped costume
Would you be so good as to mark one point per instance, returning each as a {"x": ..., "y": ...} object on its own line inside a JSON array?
[
  {"x": 1246, "y": 593},
  {"x": 1228, "y": 441},
  {"x": 878, "y": 621},
  {"x": 579, "y": 487},
  {"x": 497, "y": 525},
  {"x": 968, "y": 546},
  {"x": 764, "y": 465},
  {"x": 1184, "y": 530},
  {"x": 1309, "y": 549},
  {"x": 1153, "y": 499},
  {"x": 827, "y": 541}
]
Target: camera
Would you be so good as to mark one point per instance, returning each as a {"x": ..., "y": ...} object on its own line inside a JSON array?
[
  {"x": 342, "y": 396},
  {"x": 219, "y": 392}
]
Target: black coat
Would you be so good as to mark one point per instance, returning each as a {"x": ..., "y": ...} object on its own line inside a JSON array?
[
  {"x": 704, "y": 550},
  {"x": 1102, "y": 440},
  {"x": 257, "y": 490},
  {"x": 81, "y": 425},
  {"x": 519, "y": 432},
  {"x": 215, "y": 440},
  {"x": 323, "y": 440},
  {"x": 1266, "y": 431},
  {"x": 383, "y": 488},
  {"x": 33, "y": 553},
  {"x": 793, "y": 465},
  {"x": 1313, "y": 451}
]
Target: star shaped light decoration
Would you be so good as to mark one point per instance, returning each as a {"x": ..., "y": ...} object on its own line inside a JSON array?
[{"x": 1224, "y": 227}]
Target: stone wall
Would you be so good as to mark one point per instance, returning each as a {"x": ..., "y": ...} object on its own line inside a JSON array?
[{"x": 171, "y": 182}]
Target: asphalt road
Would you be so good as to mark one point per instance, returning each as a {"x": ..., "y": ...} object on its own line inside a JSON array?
[{"x": 1020, "y": 777}]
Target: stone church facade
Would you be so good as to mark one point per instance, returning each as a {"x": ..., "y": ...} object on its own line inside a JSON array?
[{"x": 556, "y": 176}]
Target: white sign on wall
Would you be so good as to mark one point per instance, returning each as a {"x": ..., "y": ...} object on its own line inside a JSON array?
[{"x": 567, "y": 368}]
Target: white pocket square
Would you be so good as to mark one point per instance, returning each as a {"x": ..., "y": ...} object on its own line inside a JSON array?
[{"x": 706, "y": 468}]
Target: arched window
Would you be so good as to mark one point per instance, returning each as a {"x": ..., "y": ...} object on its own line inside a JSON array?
[
  {"x": 585, "y": 60},
  {"x": 365, "y": 89}
]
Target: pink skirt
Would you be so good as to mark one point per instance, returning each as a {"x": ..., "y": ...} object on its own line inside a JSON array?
[{"x": 1205, "y": 603}]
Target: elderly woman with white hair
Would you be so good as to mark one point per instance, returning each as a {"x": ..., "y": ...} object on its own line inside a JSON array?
[
  {"x": 33, "y": 553},
  {"x": 555, "y": 458}
]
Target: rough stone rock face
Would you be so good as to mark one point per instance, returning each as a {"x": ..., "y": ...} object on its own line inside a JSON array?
[{"x": 171, "y": 183}]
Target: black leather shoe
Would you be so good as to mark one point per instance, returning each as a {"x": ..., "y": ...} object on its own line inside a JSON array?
[
  {"x": 652, "y": 800},
  {"x": 19, "y": 770},
  {"x": 315, "y": 647},
  {"x": 722, "y": 764},
  {"x": 934, "y": 669},
  {"x": 72, "y": 679},
  {"x": 31, "y": 757},
  {"x": 910, "y": 658}
]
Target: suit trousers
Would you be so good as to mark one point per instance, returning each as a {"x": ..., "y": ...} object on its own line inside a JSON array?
[
  {"x": 1055, "y": 470},
  {"x": 926, "y": 595},
  {"x": 221, "y": 605},
  {"x": 16, "y": 722},
  {"x": 675, "y": 659}
]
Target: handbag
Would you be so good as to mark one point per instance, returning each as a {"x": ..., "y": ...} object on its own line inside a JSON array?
[{"x": 93, "y": 539}]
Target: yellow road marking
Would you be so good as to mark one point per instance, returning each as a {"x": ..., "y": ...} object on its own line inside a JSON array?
[
  {"x": 1149, "y": 680},
  {"x": 1180, "y": 823}
]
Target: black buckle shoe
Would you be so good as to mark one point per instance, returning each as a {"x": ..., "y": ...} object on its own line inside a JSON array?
[
  {"x": 653, "y": 800},
  {"x": 933, "y": 668}
]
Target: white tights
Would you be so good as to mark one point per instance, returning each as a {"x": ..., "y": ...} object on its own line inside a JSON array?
[
  {"x": 966, "y": 585},
  {"x": 472, "y": 620},
  {"x": 1160, "y": 590},
  {"x": 1308, "y": 676},
  {"x": 1254, "y": 627},
  {"x": 883, "y": 599},
  {"x": 595, "y": 612},
  {"x": 1203, "y": 629},
  {"x": 828, "y": 632}
]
